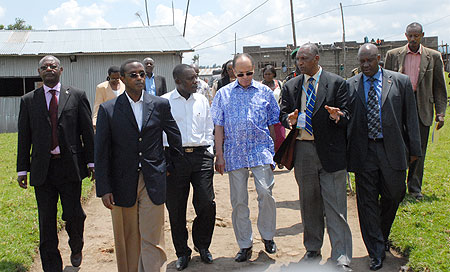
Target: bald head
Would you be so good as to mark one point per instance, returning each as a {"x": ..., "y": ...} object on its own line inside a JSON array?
[
  {"x": 369, "y": 58},
  {"x": 414, "y": 27}
]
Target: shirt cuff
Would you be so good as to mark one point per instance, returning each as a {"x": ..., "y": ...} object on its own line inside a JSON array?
[
  {"x": 91, "y": 164},
  {"x": 22, "y": 173}
]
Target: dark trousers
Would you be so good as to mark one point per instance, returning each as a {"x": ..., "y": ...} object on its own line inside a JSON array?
[
  {"x": 197, "y": 170},
  {"x": 379, "y": 191},
  {"x": 47, "y": 199},
  {"x": 415, "y": 173}
]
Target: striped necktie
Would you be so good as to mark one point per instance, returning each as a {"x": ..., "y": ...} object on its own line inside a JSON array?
[
  {"x": 310, "y": 100},
  {"x": 373, "y": 111}
]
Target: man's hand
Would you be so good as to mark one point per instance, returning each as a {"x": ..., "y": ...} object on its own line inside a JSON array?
[
  {"x": 292, "y": 118},
  {"x": 440, "y": 121},
  {"x": 22, "y": 180},
  {"x": 220, "y": 164},
  {"x": 335, "y": 113},
  {"x": 91, "y": 173},
  {"x": 108, "y": 200},
  {"x": 412, "y": 159}
]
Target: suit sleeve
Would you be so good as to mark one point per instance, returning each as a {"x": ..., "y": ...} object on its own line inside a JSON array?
[
  {"x": 341, "y": 101},
  {"x": 287, "y": 106},
  {"x": 24, "y": 138},
  {"x": 103, "y": 154},
  {"x": 99, "y": 98},
  {"x": 86, "y": 128},
  {"x": 439, "y": 89},
  {"x": 388, "y": 61},
  {"x": 411, "y": 119}
]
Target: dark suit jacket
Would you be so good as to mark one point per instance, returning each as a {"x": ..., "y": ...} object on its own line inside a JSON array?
[
  {"x": 160, "y": 85},
  {"x": 120, "y": 147},
  {"x": 398, "y": 119},
  {"x": 431, "y": 90},
  {"x": 75, "y": 134},
  {"x": 330, "y": 138}
]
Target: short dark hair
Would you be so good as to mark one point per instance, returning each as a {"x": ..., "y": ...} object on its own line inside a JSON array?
[
  {"x": 125, "y": 63},
  {"x": 414, "y": 25},
  {"x": 113, "y": 69},
  {"x": 271, "y": 69},
  {"x": 243, "y": 55},
  {"x": 179, "y": 69}
]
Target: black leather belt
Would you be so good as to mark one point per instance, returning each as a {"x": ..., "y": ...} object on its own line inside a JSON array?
[
  {"x": 55, "y": 156},
  {"x": 190, "y": 149},
  {"x": 375, "y": 140}
]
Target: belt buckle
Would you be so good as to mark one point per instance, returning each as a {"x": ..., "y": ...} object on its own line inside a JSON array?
[{"x": 189, "y": 149}]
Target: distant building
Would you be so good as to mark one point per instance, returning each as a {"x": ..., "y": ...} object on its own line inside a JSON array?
[{"x": 85, "y": 54}]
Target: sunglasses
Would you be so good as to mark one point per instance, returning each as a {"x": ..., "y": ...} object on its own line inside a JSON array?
[
  {"x": 247, "y": 74},
  {"x": 135, "y": 75}
]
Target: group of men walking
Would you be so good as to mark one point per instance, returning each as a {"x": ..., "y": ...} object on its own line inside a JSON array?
[{"x": 149, "y": 150}]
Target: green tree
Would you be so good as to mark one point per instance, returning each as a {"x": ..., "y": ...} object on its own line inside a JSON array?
[
  {"x": 2, "y": 27},
  {"x": 18, "y": 25},
  {"x": 195, "y": 59}
]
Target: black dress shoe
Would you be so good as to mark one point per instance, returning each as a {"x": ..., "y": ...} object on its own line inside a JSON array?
[
  {"x": 312, "y": 256},
  {"x": 182, "y": 262},
  {"x": 270, "y": 246},
  {"x": 376, "y": 263},
  {"x": 205, "y": 255},
  {"x": 387, "y": 246},
  {"x": 243, "y": 255},
  {"x": 76, "y": 259}
]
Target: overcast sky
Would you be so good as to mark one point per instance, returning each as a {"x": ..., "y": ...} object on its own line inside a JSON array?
[{"x": 316, "y": 20}]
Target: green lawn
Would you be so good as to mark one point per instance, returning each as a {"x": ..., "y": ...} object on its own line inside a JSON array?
[
  {"x": 422, "y": 229},
  {"x": 19, "y": 230}
]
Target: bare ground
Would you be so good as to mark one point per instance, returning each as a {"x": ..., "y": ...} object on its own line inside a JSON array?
[{"x": 99, "y": 256}]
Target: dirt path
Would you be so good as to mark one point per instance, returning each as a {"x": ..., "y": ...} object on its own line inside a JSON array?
[{"x": 99, "y": 243}]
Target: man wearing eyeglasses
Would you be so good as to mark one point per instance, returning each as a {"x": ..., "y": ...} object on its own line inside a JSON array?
[
  {"x": 131, "y": 169},
  {"x": 55, "y": 125},
  {"x": 154, "y": 84},
  {"x": 244, "y": 113}
]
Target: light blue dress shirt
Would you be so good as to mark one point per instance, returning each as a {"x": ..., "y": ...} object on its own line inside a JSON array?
[{"x": 150, "y": 85}]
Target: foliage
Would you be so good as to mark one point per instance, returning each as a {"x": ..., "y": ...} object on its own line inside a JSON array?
[{"x": 18, "y": 25}]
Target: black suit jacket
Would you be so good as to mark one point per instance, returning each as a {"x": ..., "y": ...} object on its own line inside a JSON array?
[
  {"x": 160, "y": 85},
  {"x": 75, "y": 134},
  {"x": 398, "y": 117},
  {"x": 330, "y": 138},
  {"x": 120, "y": 147}
]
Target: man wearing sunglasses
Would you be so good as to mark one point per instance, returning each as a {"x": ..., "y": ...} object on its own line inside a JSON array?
[
  {"x": 244, "y": 113},
  {"x": 132, "y": 169}
]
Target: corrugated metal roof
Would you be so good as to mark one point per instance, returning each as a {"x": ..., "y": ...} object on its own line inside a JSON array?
[{"x": 91, "y": 41}]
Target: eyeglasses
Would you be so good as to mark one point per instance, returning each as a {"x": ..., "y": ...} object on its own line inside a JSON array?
[
  {"x": 247, "y": 74},
  {"x": 135, "y": 75},
  {"x": 52, "y": 67}
]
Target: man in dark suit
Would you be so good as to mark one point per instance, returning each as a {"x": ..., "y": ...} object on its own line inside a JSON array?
[
  {"x": 154, "y": 84},
  {"x": 131, "y": 169},
  {"x": 314, "y": 106},
  {"x": 425, "y": 68},
  {"x": 55, "y": 123},
  {"x": 382, "y": 133}
]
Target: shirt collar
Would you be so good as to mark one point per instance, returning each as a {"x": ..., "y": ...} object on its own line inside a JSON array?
[
  {"x": 57, "y": 88},
  {"x": 153, "y": 76},
  {"x": 377, "y": 76},
  {"x": 177, "y": 95},
  {"x": 408, "y": 51},
  {"x": 315, "y": 76},
  {"x": 236, "y": 83},
  {"x": 141, "y": 99}
]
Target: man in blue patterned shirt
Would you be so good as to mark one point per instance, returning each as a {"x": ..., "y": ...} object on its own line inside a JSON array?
[{"x": 244, "y": 113}]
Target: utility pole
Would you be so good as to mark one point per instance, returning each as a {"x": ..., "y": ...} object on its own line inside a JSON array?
[
  {"x": 185, "y": 18},
  {"x": 343, "y": 38},
  {"x": 293, "y": 25},
  {"x": 173, "y": 15},
  {"x": 146, "y": 11}
]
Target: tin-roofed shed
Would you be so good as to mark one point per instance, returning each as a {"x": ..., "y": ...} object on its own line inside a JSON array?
[{"x": 85, "y": 55}]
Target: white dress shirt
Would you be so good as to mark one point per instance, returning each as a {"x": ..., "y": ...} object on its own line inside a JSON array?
[
  {"x": 137, "y": 108},
  {"x": 193, "y": 118}
]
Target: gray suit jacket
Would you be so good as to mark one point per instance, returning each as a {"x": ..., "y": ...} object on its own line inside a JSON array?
[
  {"x": 430, "y": 84},
  {"x": 398, "y": 117}
]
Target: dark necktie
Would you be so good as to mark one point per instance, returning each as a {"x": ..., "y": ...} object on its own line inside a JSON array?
[
  {"x": 310, "y": 100},
  {"x": 373, "y": 111},
  {"x": 53, "y": 112}
]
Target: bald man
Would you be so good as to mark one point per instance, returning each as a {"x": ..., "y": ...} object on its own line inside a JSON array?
[
  {"x": 384, "y": 138},
  {"x": 154, "y": 84}
]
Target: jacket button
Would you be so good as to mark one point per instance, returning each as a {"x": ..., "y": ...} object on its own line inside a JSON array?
[
  {"x": 140, "y": 139},
  {"x": 140, "y": 153}
]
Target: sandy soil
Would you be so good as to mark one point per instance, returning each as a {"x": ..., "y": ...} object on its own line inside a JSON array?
[{"x": 98, "y": 253}]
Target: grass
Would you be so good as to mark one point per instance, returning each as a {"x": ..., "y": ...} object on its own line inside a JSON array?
[
  {"x": 422, "y": 229},
  {"x": 19, "y": 228}
]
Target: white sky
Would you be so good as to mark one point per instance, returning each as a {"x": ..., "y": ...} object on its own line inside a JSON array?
[{"x": 373, "y": 18}]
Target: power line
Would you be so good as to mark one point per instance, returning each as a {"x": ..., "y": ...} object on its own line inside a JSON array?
[
  {"x": 432, "y": 22},
  {"x": 232, "y": 23}
]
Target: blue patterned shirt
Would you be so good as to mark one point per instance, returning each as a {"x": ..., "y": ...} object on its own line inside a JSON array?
[{"x": 246, "y": 115}]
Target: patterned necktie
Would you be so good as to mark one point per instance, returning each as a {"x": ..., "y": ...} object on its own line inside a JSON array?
[
  {"x": 373, "y": 111},
  {"x": 53, "y": 112},
  {"x": 311, "y": 99}
]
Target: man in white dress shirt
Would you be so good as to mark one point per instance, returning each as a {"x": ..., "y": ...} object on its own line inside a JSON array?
[{"x": 191, "y": 112}]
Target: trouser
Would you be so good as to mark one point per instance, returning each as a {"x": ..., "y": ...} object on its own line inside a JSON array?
[
  {"x": 139, "y": 234},
  {"x": 415, "y": 173},
  {"x": 198, "y": 170},
  {"x": 377, "y": 214},
  {"x": 240, "y": 216},
  {"x": 322, "y": 194},
  {"x": 47, "y": 199}
]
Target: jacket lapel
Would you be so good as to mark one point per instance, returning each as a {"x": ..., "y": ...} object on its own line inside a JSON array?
[
  {"x": 401, "y": 58},
  {"x": 125, "y": 108},
  {"x": 359, "y": 81},
  {"x": 64, "y": 96},
  {"x": 42, "y": 102},
  {"x": 424, "y": 62},
  {"x": 386, "y": 86},
  {"x": 321, "y": 92},
  {"x": 147, "y": 109},
  {"x": 298, "y": 92}
]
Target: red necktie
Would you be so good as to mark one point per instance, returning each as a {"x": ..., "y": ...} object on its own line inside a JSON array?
[{"x": 53, "y": 112}]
